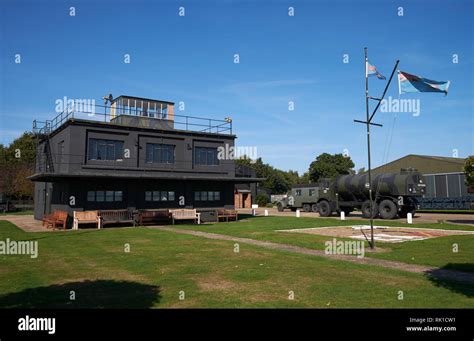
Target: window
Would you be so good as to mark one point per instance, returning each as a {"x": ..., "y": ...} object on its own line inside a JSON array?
[
  {"x": 207, "y": 196},
  {"x": 159, "y": 196},
  {"x": 312, "y": 191},
  {"x": 164, "y": 112},
  {"x": 61, "y": 152},
  {"x": 99, "y": 196},
  {"x": 298, "y": 192},
  {"x": 152, "y": 112},
  {"x": 118, "y": 196},
  {"x": 109, "y": 150},
  {"x": 205, "y": 156},
  {"x": 148, "y": 196},
  {"x": 159, "y": 153},
  {"x": 107, "y": 196},
  {"x": 90, "y": 195}
]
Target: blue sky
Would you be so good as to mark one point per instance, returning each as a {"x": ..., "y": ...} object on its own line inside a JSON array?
[{"x": 282, "y": 59}]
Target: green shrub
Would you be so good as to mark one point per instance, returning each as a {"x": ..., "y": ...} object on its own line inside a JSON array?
[{"x": 262, "y": 200}]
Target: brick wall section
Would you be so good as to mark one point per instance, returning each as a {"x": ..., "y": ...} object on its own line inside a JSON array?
[
  {"x": 242, "y": 200},
  {"x": 248, "y": 200},
  {"x": 170, "y": 112},
  {"x": 237, "y": 200}
]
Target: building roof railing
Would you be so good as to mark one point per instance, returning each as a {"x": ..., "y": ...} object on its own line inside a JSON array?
[{"x": 132, "y": 117}]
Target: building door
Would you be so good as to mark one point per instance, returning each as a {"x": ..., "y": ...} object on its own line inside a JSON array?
[
  {"x": 47, "y": 198},
  {"x": 244, "y": 200}
]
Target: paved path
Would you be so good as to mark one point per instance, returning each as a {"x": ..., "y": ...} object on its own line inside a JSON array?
[
  {"x": 26, "y": 222},
  {"x": 453, "y": 218},
  {"x": 435, "y": 272}
]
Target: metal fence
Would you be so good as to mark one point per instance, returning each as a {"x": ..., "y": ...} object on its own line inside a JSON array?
[{"x": 135, "y": 118}]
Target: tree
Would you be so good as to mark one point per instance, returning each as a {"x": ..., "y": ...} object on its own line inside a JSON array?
[
  {"x": 305, "y": 179},
  {"x": 292, "y": 176},
  {"x": 276, "y": 180},
  {"x": 17, "y": 162},
  {"x": 23, "y": 149},
  {"x": 469, "y": 171},
  {"x": 330, "y": 166}
]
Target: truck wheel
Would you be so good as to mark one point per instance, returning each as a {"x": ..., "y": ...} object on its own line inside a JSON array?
[
  {"x": 366, "y": 210},
  {"x": 280, "y": 207},
  {"x": 314, "y": 208},
  {"x": 387, "y": 209},
  {"x": 324, "y": 209},
  {"x": 306, "y": 207}
]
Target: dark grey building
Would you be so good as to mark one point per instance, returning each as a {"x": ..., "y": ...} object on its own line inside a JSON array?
[{"x": 133, "y": 153}]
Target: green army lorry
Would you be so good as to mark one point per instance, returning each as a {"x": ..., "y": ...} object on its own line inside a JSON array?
[
  {"x": 301, "y": 196},
  {"x": 394, "y": 194}
]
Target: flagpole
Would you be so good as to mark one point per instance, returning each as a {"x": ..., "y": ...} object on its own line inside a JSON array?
[
  {"x": 372, "y": 244},
  {"x": 399, "y": 86},
  {"x": 368, "y": 122}
]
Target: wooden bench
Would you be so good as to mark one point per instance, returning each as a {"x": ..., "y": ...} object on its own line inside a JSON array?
[
  {"x": 85, "y": 217},
  {"x": 185, "y": 214},
  {"x": 227, "y": 214},
  {"x": 153, "y": 216},
  {"x": 57, "y": 218},
  {"x": 116, "y": 217}
]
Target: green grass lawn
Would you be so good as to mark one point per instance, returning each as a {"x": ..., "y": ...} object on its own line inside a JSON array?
[
  {"x": 93, "y": 264},
  {"x": 27, "y": 212},
  {"x": 436, "y": 252}
]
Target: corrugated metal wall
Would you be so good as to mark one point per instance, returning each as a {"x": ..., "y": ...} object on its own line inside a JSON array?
[
  {"x": 446, "y": 191},
  {"x": 448, "y": 185}
]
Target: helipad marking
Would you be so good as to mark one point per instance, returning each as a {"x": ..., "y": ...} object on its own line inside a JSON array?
[{"x": 393, "y": 234}]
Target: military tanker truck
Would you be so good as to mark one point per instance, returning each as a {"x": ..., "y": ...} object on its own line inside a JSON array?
[{"x": 393, "y": 194}]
